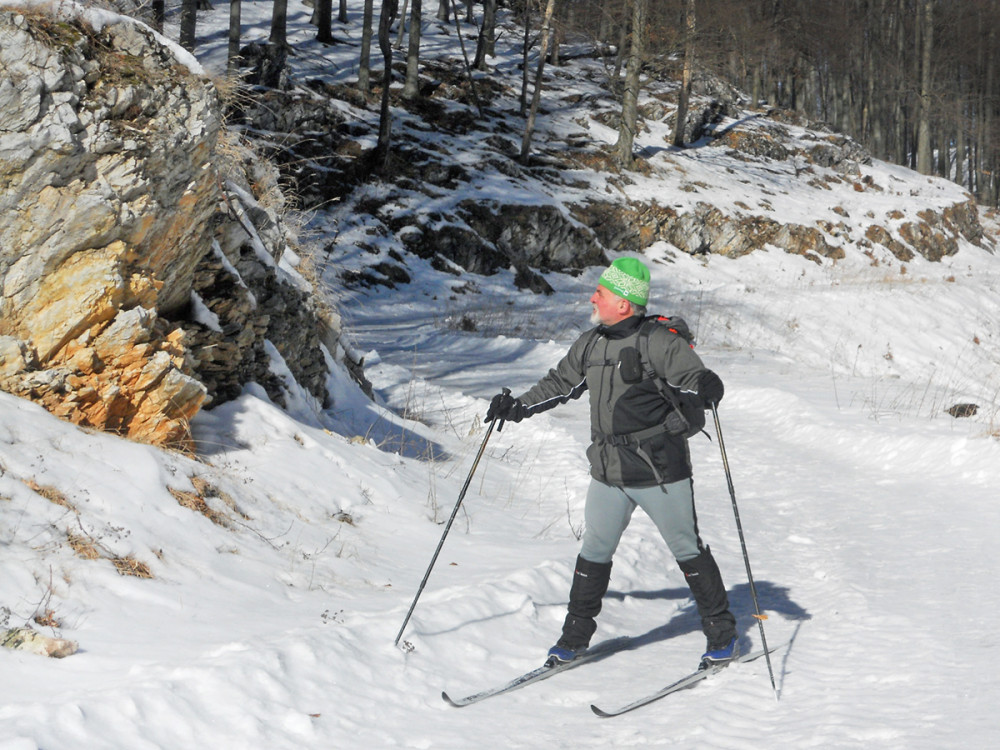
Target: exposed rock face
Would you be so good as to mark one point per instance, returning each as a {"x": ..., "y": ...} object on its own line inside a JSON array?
[
  {"x": 707, "y": 230},
  {"x": 541, "y": 237},
  {"x": 106, "y": 197},
  {"x": 117, "y": 233},
  {"x": 254, "y": 301}
]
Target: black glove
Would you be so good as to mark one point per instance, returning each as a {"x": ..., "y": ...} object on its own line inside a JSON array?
[
  {"x": 710, "y": 388},
  {"x": 506, "y": 408}
]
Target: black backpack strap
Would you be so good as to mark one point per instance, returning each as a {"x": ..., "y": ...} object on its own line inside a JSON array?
[
  {"x": 668, "y": 393},
  {"x": 645, "y": 329},
  {"x": 585, "y": 360}
]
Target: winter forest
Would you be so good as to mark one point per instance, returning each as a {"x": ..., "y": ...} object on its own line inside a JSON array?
[
  {"x": 264, "y": 269},
  {"x": 915, "y": 81}
]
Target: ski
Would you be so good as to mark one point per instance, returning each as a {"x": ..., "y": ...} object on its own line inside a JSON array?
[
  {"x": 684, "y": 682},
  {"x": 542, "y": 673}
]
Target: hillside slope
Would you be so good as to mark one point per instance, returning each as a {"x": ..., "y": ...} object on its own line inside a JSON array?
[{"x": 278, "y": 564}]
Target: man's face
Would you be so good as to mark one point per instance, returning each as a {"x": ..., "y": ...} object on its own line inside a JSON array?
[{"x": 608, "y": 307}]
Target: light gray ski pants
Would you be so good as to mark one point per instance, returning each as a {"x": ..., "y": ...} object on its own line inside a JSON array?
[{"x": 609, "y": 510}]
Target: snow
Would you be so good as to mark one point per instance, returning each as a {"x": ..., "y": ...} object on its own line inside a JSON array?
[
  {"x": 98, "y": 18},
  {"x": 870, "y": 519}
]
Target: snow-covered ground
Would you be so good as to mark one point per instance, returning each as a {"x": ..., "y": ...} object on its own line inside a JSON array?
[{"x": 870, "y": 519}]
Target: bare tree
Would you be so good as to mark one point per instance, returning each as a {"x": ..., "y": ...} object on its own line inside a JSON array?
[
  {"x": 473, "y": 89},
  {"x": 159, "y": 14},
  {"x": 402, "y": 25},
  {"x": 364, "y": 64},
  {"x": 411, "y": 88},
  {"x": 926, "y": 29},
  {"x": 324, "y": 21},
  {"x": 189, "y": 20},
  {"x": 685, "y": 92},
  {"x": 537, "y": 95},
  {"x": 487, "y": 35},
  {"x": 233, "y": 51},
  {"x": 279, "y": 23},
  {"x": 630, "y": 98},
  {"x": 386, "y": 18},
  {"x": 914, "y": 80},
  {"x": 525, "y": 50},
  {"x": 988, "y": 148}
]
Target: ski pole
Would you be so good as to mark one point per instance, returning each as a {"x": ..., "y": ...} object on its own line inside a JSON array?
[
  {"x": 746, "y": 559},
  {"x": 447, "y": 528}
]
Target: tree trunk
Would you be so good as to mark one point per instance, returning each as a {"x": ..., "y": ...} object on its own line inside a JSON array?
[
  {"x": 926, "y": 24},
  {"x": 685, "y": 92},
  {"x": 604, "y": 31},
  {"x": 444, "y": 11},
  {"x": 620, "y": 57},
  {"x": 159, "y": 14},
  {"x": 386, "y": 17},
  {"x": 279, "y": 23},
  {"x": 364, "y": 64},
  {"x": 524, "y": 61},
  {"x": 342, "y": 12},
  {"x": 189, "y": 19},
  {"x": 233, "y": 52},
  {"x": 468, "y": 66},
  {"x": 411, "y": 89},
  {"x": 402, "y": 25},
  {"x": 630, "y": 97},
  {"x": 324, "y": 21},
  {"x": 986, "y": 176},
  {"x": 537, "y": 95},
  {"x": 960, "y": 144},
  {"x": 899, "y": 111},
  {"x": 558, "y": 29},
  {"x": 487, "y": 35}
]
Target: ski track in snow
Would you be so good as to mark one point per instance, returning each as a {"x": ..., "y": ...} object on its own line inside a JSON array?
[
  {"x": 870, "y": 521},
  {"x": 842, "y": 562}
]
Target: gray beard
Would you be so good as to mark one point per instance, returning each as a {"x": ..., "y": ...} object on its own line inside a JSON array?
[{"x": 595, "y": 318}]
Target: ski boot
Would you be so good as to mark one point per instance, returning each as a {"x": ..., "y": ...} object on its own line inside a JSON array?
[
  {"x": 558, "y": 655},
  {"x": 720, "y": 655}
]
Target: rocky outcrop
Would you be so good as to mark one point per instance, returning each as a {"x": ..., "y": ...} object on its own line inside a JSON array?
[
  {"x": 250, "y": 299},
  {"x": 543, "y": 236},
  {"x": 703, "y": 230},
  {"x": 138, "y": 282},
  {"x": 105, "y": 148},
  {"x": 707, "y": 230}
]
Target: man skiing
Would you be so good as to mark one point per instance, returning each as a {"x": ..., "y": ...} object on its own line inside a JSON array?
[{"x": 642, "y": 375}]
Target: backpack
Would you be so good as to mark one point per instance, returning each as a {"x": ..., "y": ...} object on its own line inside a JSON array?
[{"x": 687, "y": 417}]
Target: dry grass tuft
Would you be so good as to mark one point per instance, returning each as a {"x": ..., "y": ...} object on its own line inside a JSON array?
[
  {"x": 47, "y": 619},
  {"x": 50, "y": 493},
  {"x": 129, "y": 566},
  {"x": 194, "y": 501},
  {"x": 83, "y": 546},
  {"x": 89, "y": 549},
  {"x": 198, "y": 501}
]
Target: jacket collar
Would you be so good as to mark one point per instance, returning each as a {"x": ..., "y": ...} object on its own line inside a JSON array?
[{"x": 622, "y": 329}]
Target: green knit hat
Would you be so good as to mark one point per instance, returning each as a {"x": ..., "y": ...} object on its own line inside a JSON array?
[{"x": 628, "y": 278}]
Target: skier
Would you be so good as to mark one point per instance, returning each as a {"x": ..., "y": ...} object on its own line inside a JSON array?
[{"x": 642, "y": 375}]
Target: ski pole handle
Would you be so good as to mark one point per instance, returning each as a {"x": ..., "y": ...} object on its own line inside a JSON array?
[{"x": 505, "y": 392}]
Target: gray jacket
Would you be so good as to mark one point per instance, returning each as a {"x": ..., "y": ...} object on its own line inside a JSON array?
[{"x": 622, "y": 403}]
